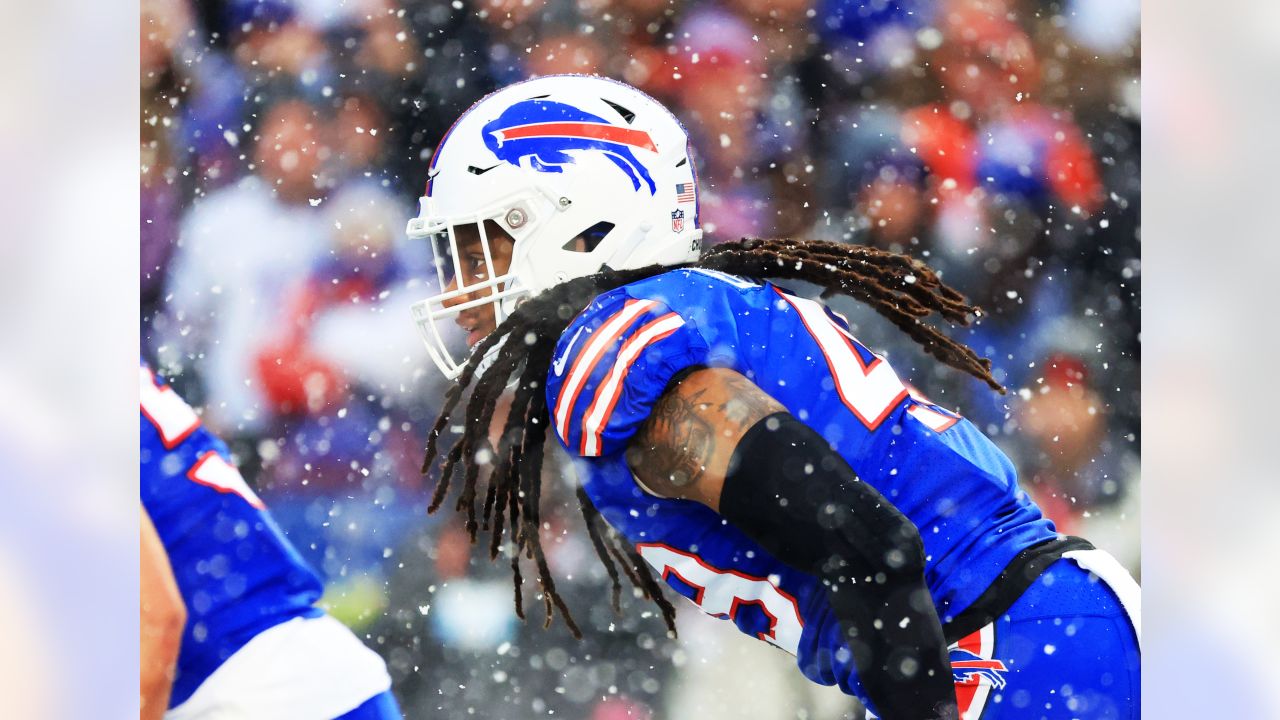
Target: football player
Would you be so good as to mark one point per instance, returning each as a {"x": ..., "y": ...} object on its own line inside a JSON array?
[
  {"x": 731, "y": 436},
  {"x": 229, "y": 622}
]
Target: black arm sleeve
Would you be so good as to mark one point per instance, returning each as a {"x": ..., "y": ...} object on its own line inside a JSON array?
[{"x": 791, "y": 493}]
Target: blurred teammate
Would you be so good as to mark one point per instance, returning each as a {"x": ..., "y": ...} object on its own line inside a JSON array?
[
  {"x": 739, "y": 442},
  {"x": 230, "y": 629}
]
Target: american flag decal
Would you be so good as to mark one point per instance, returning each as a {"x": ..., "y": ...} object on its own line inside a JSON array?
[{"x": 684, "y": 192}]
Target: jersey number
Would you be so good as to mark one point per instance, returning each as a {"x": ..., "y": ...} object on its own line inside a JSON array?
[
  {"x": 869, "y": 388},
  {"x": 172, "y": 417},
  {"x": 723, "y": 593},
  {"x": 174, "y": 420},
  {"x": 211, "y": 470}
]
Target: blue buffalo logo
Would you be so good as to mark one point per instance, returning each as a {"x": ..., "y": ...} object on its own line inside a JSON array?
[
  {"x": 970, "y": 669},
  {"x": 546, "y": 132}
]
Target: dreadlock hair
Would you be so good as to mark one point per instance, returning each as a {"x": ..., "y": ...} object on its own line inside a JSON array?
[{"x": 903, "y": 290}]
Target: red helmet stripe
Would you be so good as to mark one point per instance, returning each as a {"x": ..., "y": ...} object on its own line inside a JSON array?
[{"x": 597, "y": 131}]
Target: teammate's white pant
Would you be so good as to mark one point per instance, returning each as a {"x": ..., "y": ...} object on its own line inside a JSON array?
[{"x": 303, "y": 669}]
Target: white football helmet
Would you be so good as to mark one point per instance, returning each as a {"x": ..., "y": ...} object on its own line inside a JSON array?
[{"x": 580, "y": 171}]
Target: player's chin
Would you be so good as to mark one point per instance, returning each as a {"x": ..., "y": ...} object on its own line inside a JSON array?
[{"x": 475, "y": 336}]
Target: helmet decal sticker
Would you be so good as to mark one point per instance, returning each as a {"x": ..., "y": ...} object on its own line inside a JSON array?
[
  {"x": 546, "y": 131},
  {"x": 684, "y": 192}
]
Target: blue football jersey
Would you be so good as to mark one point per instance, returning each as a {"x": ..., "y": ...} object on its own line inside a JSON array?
[
  {"x": 616, "y": 358},
  {"x": 237, "y": 573}
]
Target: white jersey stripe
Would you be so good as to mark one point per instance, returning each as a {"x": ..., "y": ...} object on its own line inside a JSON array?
[
  {"x": 597, "y": 415},
  {"x": 585, "y": 363}
]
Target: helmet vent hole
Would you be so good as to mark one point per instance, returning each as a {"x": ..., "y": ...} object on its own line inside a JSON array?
[
  {"x": 683, "y": 161},
  {"x": 588, "y": 240},
  {"x": 626, "y": 114}
]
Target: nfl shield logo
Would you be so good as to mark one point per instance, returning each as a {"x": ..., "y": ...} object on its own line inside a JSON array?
[{"x": 677, "y": 220}]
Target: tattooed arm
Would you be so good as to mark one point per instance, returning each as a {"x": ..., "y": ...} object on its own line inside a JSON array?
[{"x": 683, "y": 449}]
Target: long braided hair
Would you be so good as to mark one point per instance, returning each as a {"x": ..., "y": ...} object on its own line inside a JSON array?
[{"x": 903, "y": 290}]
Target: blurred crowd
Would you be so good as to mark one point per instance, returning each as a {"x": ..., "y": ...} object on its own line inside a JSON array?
[{"x": 284, "y": 145}]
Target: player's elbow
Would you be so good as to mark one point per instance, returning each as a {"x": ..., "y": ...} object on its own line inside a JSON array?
[
  {"x": 162, "y": 627},
  {"x": 163, "y": 635},
  {"x": 173, "y": 621},
  {"x": 161, "y": 642}
]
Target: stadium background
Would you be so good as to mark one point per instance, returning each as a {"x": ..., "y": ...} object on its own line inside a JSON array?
[{"x": 997, "y": 140}]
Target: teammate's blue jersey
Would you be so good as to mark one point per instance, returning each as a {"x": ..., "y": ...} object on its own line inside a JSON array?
[
  {"x": 237, "y": 573},
  {"x": 616, "y": 358}
]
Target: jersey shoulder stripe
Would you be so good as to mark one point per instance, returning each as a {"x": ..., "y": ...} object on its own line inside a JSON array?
[
  {"x": 585, "y": 363},
  {"x": 606, "y": 397},
  {"x": 619, "y": 352}
]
